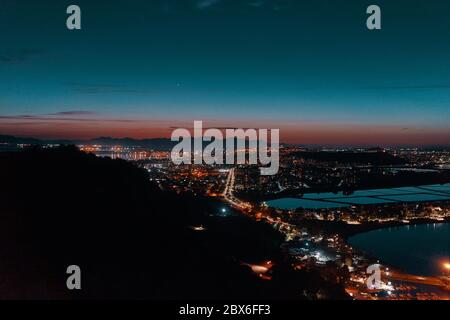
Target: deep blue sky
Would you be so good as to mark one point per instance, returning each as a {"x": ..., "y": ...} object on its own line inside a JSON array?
[{"x": 277, "y": 63}]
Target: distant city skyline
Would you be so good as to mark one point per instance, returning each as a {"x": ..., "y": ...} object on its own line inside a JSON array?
[{"x": 310, "y": 68}]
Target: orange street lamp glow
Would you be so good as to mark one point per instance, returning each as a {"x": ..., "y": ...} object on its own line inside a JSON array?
[{"x": 447, "y": 265}]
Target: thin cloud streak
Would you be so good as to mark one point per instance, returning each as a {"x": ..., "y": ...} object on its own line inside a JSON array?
[
  {"x": 71, "y": 113},
  {"x": 62, "y": 116}
]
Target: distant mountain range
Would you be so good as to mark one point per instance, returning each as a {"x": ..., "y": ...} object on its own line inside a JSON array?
[
  {"x": 162, "y": 144},
  {"x": 18, "y": 140},
  {"x": 157, "y": 143}
]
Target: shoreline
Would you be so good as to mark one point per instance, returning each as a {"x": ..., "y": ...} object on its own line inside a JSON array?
[
  {"x": 348, "y": 230},
  {"x": 394, "y": 224},
  {"x": 302, "y": 193},
  {"x": 394, "y": 268}
]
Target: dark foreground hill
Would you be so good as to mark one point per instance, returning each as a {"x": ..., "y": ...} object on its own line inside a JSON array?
[{"x": 60, "y": 207}]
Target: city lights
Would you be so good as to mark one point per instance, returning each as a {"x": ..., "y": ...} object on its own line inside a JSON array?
[{"x": 446, "y": 266}]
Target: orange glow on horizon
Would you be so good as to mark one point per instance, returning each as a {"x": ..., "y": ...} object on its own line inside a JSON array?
[{"x": 316, "y": 133}]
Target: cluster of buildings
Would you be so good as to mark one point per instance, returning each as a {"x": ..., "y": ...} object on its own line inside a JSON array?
[{"x": 307, "y": 243}]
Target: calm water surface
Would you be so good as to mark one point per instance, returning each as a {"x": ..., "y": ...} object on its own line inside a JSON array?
[{"x": 416, "y": 249}]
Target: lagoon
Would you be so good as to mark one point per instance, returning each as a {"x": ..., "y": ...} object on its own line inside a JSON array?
[
  {"x": 328, "y": 200},
  {"x": 416, "y": 249}
]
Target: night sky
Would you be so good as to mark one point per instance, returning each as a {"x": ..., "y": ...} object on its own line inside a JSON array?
[{"x": 311, "y": 68}]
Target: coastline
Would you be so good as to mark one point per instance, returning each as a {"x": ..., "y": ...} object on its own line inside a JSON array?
[
  {"x": 348, "y": 230},
  {"x": 395, "y": 272},
  {"x": 302, "y": 193},
  {"x": 393, "y": 224}
]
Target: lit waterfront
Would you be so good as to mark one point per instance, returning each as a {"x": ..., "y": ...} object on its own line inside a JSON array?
[{"x": 310, "y": 250}]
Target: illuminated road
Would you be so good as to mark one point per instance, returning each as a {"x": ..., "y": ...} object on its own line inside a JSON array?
[
  {"x": 228, "y": 193},
  {"x": 291, "y": 231},
  {"x": 432, "y": 281}
]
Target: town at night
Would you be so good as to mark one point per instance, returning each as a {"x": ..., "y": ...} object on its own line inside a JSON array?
[{"x": 225, "y": 158}]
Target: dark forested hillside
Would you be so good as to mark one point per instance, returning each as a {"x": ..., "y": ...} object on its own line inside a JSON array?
[{"x": 60, "y": 207}]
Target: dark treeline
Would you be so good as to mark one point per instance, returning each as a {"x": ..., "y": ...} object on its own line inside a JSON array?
[{"x": 60, "y": 207}]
